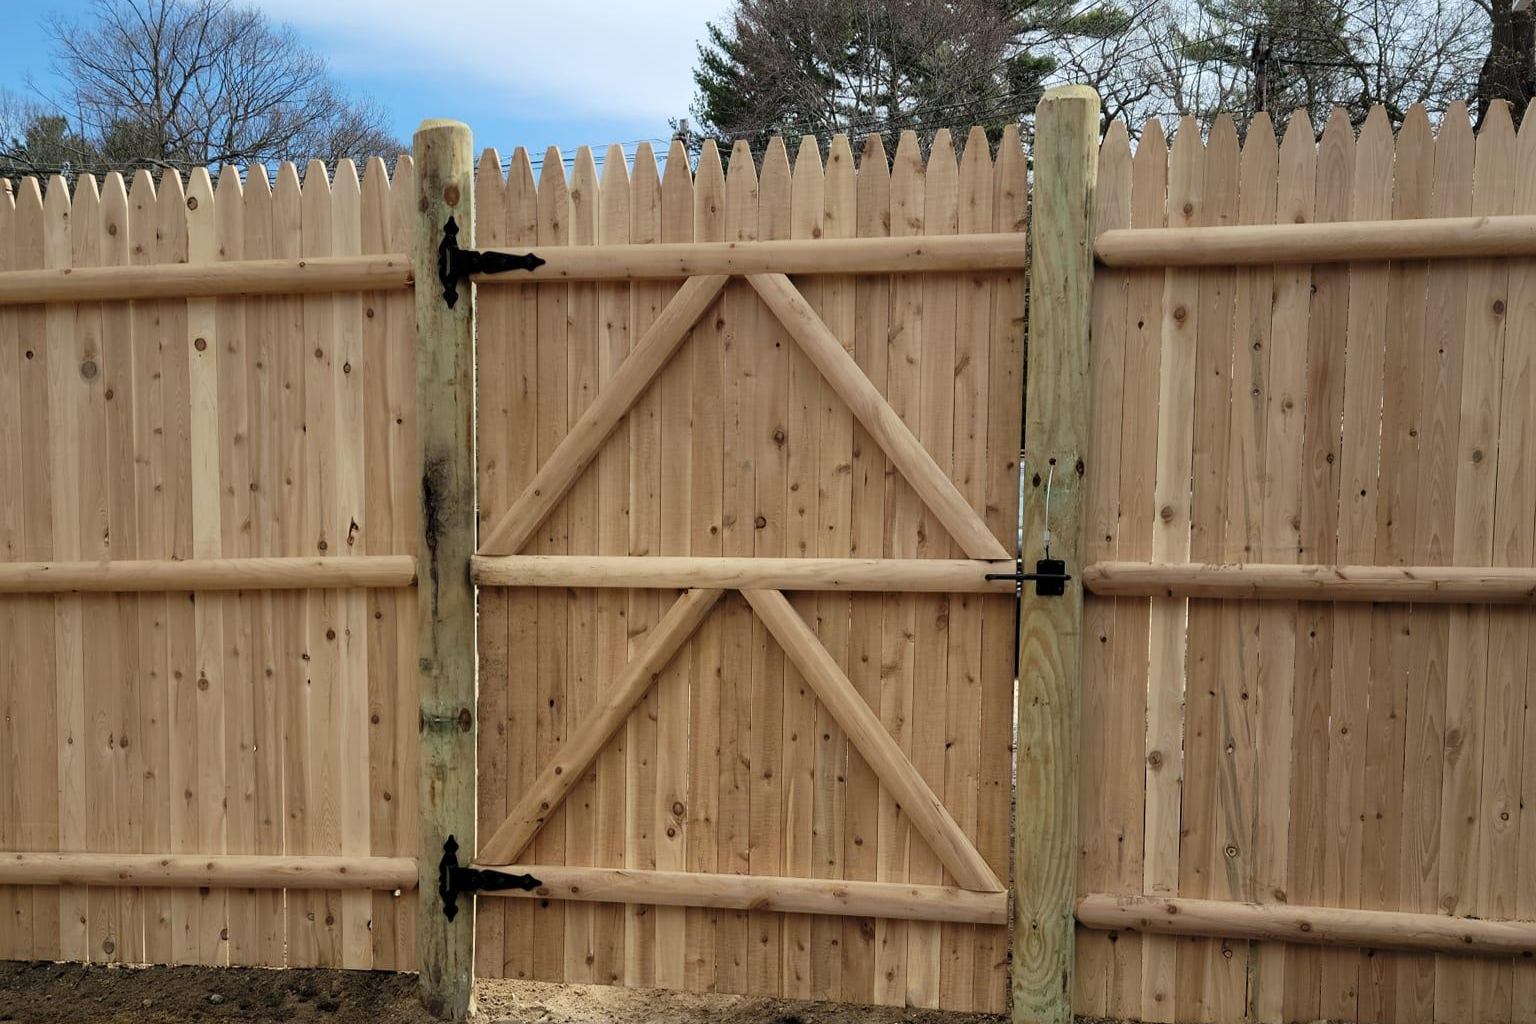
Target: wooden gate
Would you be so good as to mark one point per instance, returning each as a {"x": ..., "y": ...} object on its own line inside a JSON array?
[{"x": 746, "y": 689}]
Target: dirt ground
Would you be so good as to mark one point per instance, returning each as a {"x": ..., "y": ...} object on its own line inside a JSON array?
[{"x": 52, "y": 993}]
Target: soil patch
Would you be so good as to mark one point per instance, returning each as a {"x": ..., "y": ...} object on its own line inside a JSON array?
[{"x": 57, "y": 993}]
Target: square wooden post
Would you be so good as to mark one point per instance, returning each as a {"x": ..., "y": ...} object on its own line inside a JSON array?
[
  {"x": 1056, "y": 417},
  {"x": 445, "y": 396}
]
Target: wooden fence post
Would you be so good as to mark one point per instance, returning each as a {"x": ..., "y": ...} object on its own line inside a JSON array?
[
  {"x": 445, "y": 394},
  {"x": 1057, "y": 395}
]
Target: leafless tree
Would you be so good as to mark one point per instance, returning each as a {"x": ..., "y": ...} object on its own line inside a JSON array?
[
  {"x": 204, "y": 81},
  {"x": 1201, "y": 57}
]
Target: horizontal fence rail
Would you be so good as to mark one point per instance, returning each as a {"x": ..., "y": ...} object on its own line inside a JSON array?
[
  {"x": 1350, "y": 241},
  {"x": 620, "y": 262},
  {"x": 1407, "y": 584},
  {"x": 152, "y": 575},
  {"x": 913, "y": 575},
  {"x": 192, "y": 871},
  {"x": 314, "y": 275},
  {"x": 765, "y": 893},
  {"x": 1327, "y": 926},
  {"x": 386, "y": 271}
]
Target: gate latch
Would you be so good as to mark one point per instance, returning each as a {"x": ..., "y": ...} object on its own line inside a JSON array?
[
  {"x": 455, "y": 264},
  {"x": 453, "y": 879},
  {"x": 1050, "y": 576}
]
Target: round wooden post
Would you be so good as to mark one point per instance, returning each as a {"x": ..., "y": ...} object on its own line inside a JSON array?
[
  {"x": 445, "y": 396},
  {"x": 1056, "y": 413}
]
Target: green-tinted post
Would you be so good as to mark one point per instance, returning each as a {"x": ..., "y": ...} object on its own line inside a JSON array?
[
  {"x": 1056, "y": 417},
  {"x": 445, "y": 617}
]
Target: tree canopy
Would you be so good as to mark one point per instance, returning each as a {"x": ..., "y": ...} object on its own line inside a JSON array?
[
  {"x": 181, "y": 83},
  {"x": 820, "y": 66}
]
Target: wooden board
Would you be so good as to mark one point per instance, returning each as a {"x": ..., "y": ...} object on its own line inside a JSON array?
[{"x": 740, "y": 447}]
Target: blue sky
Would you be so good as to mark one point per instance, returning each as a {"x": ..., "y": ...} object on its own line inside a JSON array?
[{"x": 531, "y": 74}]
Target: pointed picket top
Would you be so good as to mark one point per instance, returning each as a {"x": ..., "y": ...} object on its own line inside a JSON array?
[
  {"x": 29, "y": 192},
  {"x": 287, "y": 201},
  {"x": 976, "y": 181},
  {"x": 907, "y": 173},
  {"x": 490, "y": 188},
  {"x": 202, "y": 240},
  {"x": 490, "y": 201},
  {"x": 942, "y": 186},
  {"x": 1455, "y": 153},
  {"x": 229, "y": 214},
  {"x": 81, "y": 221},
  {"x": 1010, "y": 192},
  {"x": 645, "y": 197},
  {"x": 840, "y": 213},
  {"x": 346, "y": 211},
  {"x": 1222, "y": 166},
  {"x": 316, "y": 176},
  {"x": 1415, "y": 166},
  {"x": 1373, "y": 168},
  {"x": 872, "y": 156},
  {"x": 808, "y": 190},
  {"x": 1186, "y": 174},
  {"x": 613, "y": 220},
  {"x": 677, "y": 196},
  {"x": 171, "y": 219},
  {"x": 345, "y": 177},
  {"x": 287, "y": 178},
  {"x": 1298, "y": 169},
  {"x": 1112, "y": 197},
  {"x": 1257, "y": 176},
  {"x": 1525, "y": 184},
  {"x": 228, "y": 185},
  {"x": 114, "y": 234},
  {"x": 1153, "y": 143},
  {"x": 709, "y": 194},
  {"x": 1335, "y": 168},
  {"x": 29, "y": 221},
  {"x": 1115, "y": 147},
  {"x": 586, "y": 199},
  {"x": 1494, "y": 173},
  {"x": 522, "y": 197},
  {"x": 402, "y": 192},
  {"x": 376, "y": 170},
  {"x": 554, "y": 200},
  {"x": 257, "y": 179},
  {"x": 258, "y": 213},
  {"x": 378, "y": 207},
  {"x": 774, "y": 191},
  {"x": 741, "y": 195}
]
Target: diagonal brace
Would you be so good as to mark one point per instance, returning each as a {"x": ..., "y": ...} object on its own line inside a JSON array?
[
  {"x": 928, "y": 815},
  {"x": 571, "y": 456},
  {"x": 554, "y": 783},
  {"x": 903, "y": 448}
]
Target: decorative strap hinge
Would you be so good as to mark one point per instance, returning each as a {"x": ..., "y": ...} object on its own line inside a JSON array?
[
  {"x": 455, "y": 264},
  {"x": 453, "y": 879}
]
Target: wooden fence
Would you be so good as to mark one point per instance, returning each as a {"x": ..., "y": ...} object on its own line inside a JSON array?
[
  {"x": 1356, "y": 420},
  {"x": 184, "y": 705},
  {"x": 1273, "y": 750}
]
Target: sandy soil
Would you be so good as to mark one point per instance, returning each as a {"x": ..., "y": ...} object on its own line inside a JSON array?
[{"x": 50, "y": 993}]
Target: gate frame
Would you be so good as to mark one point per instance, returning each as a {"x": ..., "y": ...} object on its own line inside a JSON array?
[{"x": 1043, "y": 885}]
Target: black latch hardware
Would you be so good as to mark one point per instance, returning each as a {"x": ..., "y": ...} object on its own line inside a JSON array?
[
  {"x": 452, "y": 879},
  {"x": 1050, "y": 577},
  {"x": 455, "y": 264}
]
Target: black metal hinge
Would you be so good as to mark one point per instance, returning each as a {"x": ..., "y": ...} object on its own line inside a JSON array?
[
  {"x": 455, "y": 264},
  {"x": 453, "y": 879},
  {"x": 1050, "y": 577}
]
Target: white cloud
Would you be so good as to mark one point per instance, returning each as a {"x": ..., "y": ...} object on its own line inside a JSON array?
[{"x": 605, "y": 58}]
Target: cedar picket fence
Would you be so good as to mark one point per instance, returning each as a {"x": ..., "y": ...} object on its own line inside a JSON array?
[{"x": 225, "y": 418}]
